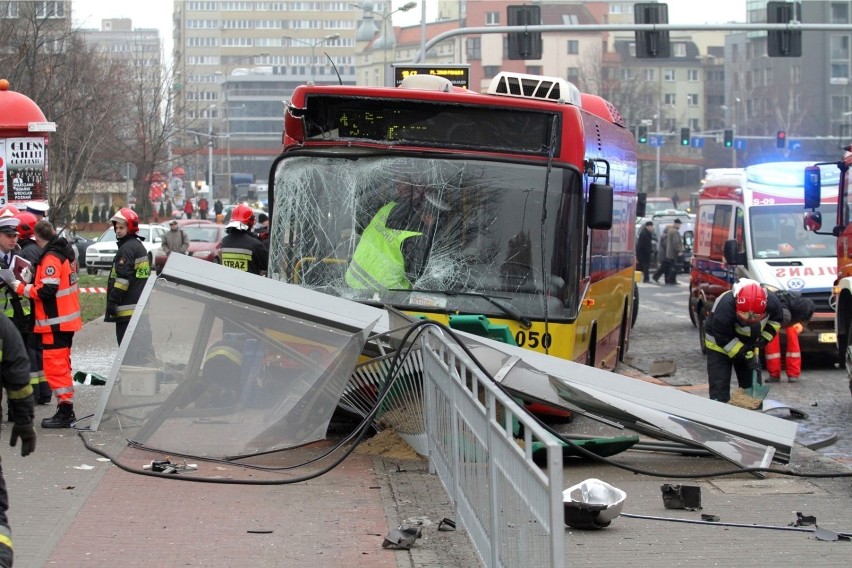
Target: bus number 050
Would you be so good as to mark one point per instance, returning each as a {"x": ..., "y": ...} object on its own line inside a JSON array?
[{"x": 533, "y": 339}]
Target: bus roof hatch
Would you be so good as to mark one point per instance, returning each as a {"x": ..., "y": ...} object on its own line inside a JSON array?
[{"x": 535, "y": 87}]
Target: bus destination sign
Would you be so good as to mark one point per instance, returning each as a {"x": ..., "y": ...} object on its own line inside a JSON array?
[{"x": 459, "y": 75}]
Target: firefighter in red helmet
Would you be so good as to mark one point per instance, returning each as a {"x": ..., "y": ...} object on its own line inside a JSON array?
[
  {"x": 130, "y": 271},
  {"x": 241, "y": 249},
  {"x": 8, "y": 210},
  {"x": 743, "y": 319}
]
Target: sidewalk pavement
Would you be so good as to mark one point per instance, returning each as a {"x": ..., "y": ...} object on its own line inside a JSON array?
[{"x": 70, "y": 507}]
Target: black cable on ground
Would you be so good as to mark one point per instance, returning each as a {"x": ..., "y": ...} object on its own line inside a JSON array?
[
  {"x": 360, "y": 431},
  {"x": 356, "y": 436},
  {"x": 724, "y": 524}
]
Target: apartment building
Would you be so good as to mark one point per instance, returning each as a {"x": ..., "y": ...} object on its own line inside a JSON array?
[
  {"x": 140, "y": 47},
  {"x": 238, "y": 61}
]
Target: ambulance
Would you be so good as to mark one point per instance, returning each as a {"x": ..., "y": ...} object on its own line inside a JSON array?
[{"x": 749, "y": 225}]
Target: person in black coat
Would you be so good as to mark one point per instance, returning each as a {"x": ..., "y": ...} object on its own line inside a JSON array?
[
  {"x": 644, "y": 250},
  {"x": 15, "y": 379}
]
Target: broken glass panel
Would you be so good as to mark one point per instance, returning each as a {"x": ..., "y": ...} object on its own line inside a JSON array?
[
  {"x": 443, "y": 235},
  {"x": 212, "y": 375}
]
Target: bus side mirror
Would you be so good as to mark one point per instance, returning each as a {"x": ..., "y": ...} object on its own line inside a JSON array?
[
  {"x": 641, "y": 203},
  {"x": 599, "y": 207},
  {"x": 812, "y": 221},
  {"x": 732, "y": 256},
  {"x": 812, "y": 187}
]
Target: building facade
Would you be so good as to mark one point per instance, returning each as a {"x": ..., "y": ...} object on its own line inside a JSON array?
[{"x": 238, "y": 61}]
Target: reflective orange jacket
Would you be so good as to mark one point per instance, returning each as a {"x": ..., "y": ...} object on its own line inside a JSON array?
[{"x": 53, "y": 292}]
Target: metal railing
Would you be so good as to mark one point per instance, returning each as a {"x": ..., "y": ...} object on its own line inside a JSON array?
[{"x": 510, "y": 506}]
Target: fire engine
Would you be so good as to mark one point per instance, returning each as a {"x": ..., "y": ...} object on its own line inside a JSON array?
[{"x": 839, "y": 181}]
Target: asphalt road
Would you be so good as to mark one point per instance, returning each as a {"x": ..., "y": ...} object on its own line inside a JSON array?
[{"x": 663, "y": 331}]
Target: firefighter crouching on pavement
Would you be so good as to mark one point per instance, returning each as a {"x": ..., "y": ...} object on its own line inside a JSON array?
[
  {"x": 56, "y": 304},
  {"x": 15, "y": 378},
  {"x": 240, "y": 249},
  {"x": 743, "y": 319},
  {"x": 129, "y": 273}
]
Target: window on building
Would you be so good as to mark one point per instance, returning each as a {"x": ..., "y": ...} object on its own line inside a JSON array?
[
  {"x": 840, "y": 105},
  {"x": 692, "y": 75},
  {"x": 669, "y": 74},
  {"x": 694, "y": 125},
  {"x": 839, "y": 47},
  {"x": 649, "y": 74},
  {"x": 573, "y": 47},
  {"x": 533, "y": 70},
  {"x": 840, "y": 12},
  {"x": 492, "y": 18},
  {"x": 490, "y": 70},
  {"x": 678, "y": 50},
  {"x": 573, "y": 74},
  {"x": 839, "y": 73},
  {"x": 52, "y": 9},
  {"x": 474, "y": 48},
  {"x": 9, "y": 9},
  {"x": 670, "y": 99},
  {"x": 692, "y": 99}
]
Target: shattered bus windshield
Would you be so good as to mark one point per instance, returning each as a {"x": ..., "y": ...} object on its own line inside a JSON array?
[{"x": 432, "y": 235}]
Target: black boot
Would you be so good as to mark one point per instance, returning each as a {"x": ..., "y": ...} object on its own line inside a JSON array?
[{"x": 63, "y": 418}]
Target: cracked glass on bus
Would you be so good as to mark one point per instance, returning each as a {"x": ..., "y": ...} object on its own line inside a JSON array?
[{"x": 459, "y": 233}]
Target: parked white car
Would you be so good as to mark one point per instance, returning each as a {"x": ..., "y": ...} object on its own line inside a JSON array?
[{"x": 100, "y": 255}]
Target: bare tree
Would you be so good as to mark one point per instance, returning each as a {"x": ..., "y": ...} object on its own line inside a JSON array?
[
  {"x": 151, "y": 128},
  {"x": 74, "y": 87}
]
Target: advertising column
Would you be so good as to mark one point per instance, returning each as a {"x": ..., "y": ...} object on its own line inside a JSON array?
[
  {"x": 25, "y": 166},
  {"x": 23, "y": 148}
]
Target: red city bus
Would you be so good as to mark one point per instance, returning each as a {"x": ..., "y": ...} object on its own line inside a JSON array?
[{"x": 516, "y": 205}]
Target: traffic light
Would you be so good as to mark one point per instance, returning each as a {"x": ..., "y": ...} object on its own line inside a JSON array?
[
  {"x": 783, "y": 43},
  {"x": 684, "y": 136},
  {"x": 524, "y": 45},
  {"x": 642, "y": 134},
  {"x": 729, "y": 139},
  {"x": 781, "y": 139},
  {"x": 652, "y": 44}
]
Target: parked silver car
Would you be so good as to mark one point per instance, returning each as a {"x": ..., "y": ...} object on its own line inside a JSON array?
[{"x": 99, "y": 256}]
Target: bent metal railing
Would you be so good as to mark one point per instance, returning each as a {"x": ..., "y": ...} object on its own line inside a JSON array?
[{"x": 480, "y": 443}]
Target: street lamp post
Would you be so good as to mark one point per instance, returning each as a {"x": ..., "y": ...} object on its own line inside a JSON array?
[
  {"x": 385, "y": 17},
  {"x": 313, "y": 45},
  {"x": 128, "y": 171},
  {"x": 210, "y": 148}
]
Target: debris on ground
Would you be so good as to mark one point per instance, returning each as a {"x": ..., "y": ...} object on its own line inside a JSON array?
[
  {"x": 402, "y": 537},
  {"x": 741, "y": 399},
  {"x": 388, "y": 444},
  {"x": 662, "y": 368}
]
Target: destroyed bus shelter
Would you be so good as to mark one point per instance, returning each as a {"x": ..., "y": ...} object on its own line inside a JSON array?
[{"x": 224, "y": 364}]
